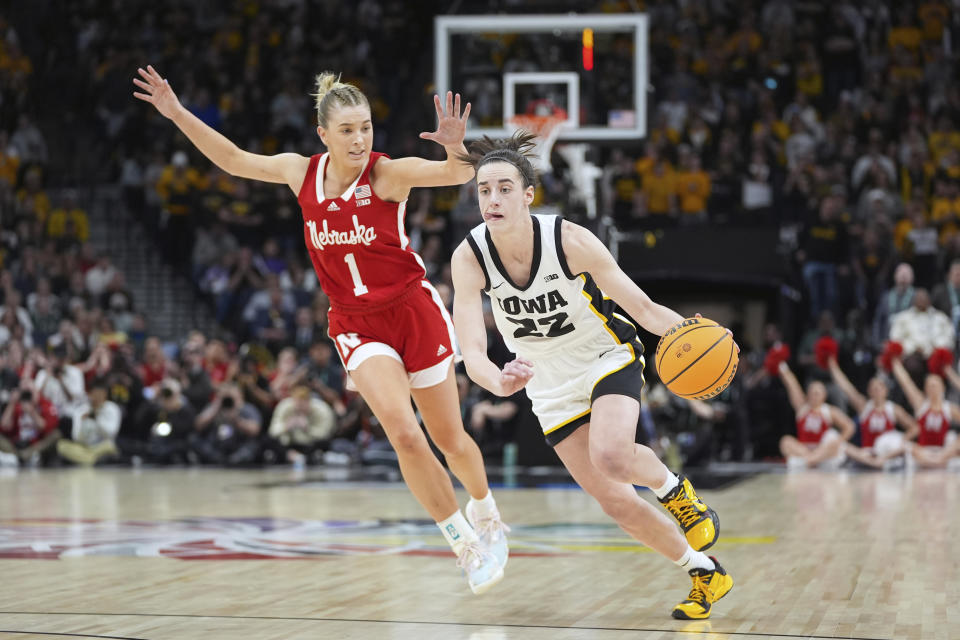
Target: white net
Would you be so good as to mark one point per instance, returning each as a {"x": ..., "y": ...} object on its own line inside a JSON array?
[{"x": 546, "y": 128}]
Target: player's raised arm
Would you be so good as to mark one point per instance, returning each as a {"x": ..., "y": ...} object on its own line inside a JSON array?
[
  {"x": 586, "y": 254},
  {"x": 284, "y": 168},
  {"x": 468, "y": 282},
  {"x": 418, "y": 172}
]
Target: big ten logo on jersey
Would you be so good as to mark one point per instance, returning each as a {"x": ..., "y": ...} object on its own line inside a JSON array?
[
  {"x": 362, "y": 195},
  {"x": 555, "y": 324},
  {"x": 347, "y": 343}
]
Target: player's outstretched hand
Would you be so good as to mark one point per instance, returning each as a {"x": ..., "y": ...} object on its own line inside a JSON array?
[
  {"x": 451, "y": 125},
  {"x": 157, "y": 92},
  {"x": 515, "y": 375}
]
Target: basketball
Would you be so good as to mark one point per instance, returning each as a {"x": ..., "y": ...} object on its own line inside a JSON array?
[{"x": 697, "y": 359}]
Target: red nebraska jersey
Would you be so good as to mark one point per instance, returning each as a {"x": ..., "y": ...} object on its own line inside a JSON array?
[
  {"x": 875, "y": 421},
  {"x": 357, "y": 241},
  {"x": 813, "y": 423},
  {"x": 934, "y": 425}
]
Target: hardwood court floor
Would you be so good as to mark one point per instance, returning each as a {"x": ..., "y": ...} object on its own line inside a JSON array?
[{"x": 184, "y": 553}]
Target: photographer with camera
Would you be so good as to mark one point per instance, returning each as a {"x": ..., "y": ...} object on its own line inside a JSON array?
[
  {"x": 95, "y": 428},
  {"x": 227, "y": 429},
  {"x": 28, "y": 427},
  {"x": 62, "y": 384},
  {"x": 161, "y": 427}
]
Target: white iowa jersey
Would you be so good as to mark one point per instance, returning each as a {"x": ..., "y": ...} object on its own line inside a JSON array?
[{"x": 555, "y": 309}]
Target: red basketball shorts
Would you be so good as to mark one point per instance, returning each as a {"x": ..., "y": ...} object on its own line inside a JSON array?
[{"x": 414, "y": 329}]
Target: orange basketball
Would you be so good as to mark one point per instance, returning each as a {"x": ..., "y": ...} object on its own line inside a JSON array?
[{"x": 697, "y": 359}]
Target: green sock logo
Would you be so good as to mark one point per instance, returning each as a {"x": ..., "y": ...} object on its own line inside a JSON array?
[{"x": 452, "y": 532}]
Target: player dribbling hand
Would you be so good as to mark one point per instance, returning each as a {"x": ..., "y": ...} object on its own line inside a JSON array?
[{"x": 515, "y": 375}]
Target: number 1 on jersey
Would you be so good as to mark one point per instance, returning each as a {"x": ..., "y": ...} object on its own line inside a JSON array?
[{"x": 358, "y": 287}]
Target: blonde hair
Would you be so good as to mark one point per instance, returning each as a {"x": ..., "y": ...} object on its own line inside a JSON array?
[{"x": 331, "y": 93}]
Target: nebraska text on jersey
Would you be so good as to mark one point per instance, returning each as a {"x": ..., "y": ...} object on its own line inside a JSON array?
[{"x": 360, "y": 234}]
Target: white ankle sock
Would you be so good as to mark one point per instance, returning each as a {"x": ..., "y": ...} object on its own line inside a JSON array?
[
  {"x": 486, "y": 506},
  {"x": 695, "y": 560},
  {"x": 457, "y": 531},
  {"x": 667, "y": 486}
]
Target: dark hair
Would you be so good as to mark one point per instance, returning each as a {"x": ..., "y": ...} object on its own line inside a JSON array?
[{"x": 515, "y": 150}]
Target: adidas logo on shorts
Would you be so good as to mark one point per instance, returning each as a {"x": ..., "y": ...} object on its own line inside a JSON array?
[
  {"x": 442, "y": 350},
  {"x": 333, "y": 207}
]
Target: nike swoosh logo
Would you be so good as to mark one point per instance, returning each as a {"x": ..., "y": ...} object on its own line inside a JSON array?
[
  {"x": 604, "y": 353},
  {"x": 499, "y": 285}
]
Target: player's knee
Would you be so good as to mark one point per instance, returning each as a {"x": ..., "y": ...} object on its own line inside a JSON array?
[
  {"x": 452, "y": 442},
  {"x": 612, "y": 462},
  {"x": 408, "y": 440}
]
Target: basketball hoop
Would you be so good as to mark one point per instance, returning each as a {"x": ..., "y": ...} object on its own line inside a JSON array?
[{"x": 546, "y": 128}]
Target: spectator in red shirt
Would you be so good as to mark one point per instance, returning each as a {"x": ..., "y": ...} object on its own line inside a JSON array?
[
  {"x": 28, "y": 427},
  {"x": 155, "y": 366},
  {"x": 216, "y": 361}
]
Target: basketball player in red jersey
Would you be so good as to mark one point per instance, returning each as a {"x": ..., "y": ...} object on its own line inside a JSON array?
[
  {"x": 391, "y": 330},
  {"x": 936, "y": 444},
  {"x": 816, "y": 441},
  {"x": 880, "y": 442}
]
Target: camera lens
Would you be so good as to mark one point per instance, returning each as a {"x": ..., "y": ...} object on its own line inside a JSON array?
[{"x": 227, "y": 403}]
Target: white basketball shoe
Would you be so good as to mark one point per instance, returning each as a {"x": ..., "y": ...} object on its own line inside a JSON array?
[
  {"x": 480, "y": 566},
  {"x": 491, "y": 531}
]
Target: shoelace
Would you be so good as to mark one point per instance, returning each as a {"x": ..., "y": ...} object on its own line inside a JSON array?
[
  {"x": 683, "y": 510},
  {"x": 488, "y": 526},
  {"x": 700, "y": 589},
  {"x": 470, "y": 556}
]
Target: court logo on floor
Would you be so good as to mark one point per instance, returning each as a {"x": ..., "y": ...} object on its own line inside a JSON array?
[{"x": 283, "y": 538}]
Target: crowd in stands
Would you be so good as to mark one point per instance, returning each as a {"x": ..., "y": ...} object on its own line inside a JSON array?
[{"x": 835, "y": 122}]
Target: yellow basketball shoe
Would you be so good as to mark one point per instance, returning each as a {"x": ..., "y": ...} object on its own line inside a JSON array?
[
  {"x": 708, "y": 587},
  {"x": 699, "y": 522}
]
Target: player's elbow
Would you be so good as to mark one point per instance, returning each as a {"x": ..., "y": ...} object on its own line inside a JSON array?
[{"x": 232, "y": 162}]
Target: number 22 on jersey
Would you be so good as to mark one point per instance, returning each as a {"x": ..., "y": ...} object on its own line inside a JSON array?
[{"x": 358, "y": 287}]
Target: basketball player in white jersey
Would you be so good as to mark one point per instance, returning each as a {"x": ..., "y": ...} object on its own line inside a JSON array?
[
  {"x": 581, "y": 363},
  {"x": 880, "y": 441}
]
